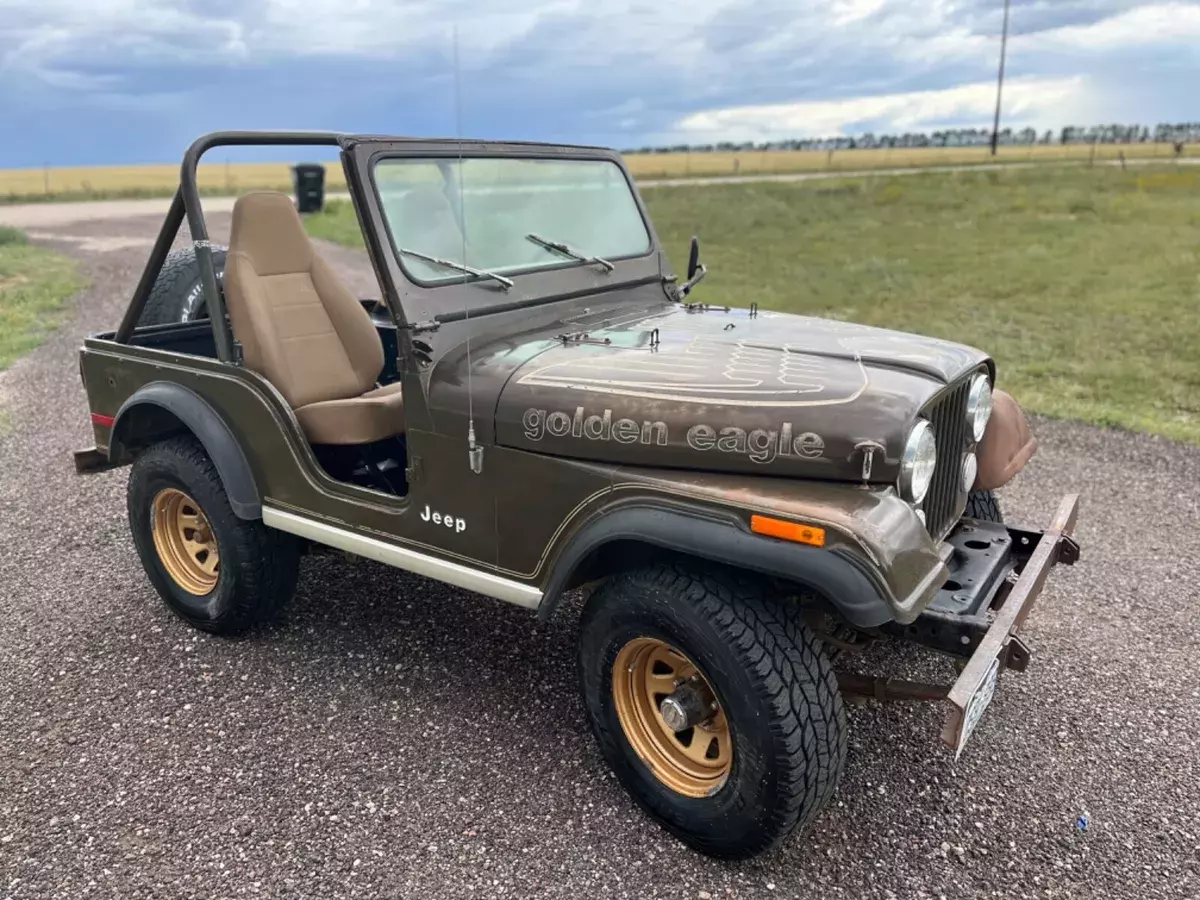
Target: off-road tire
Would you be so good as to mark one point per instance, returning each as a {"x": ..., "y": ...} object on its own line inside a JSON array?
[
  {"x": 177, "y": 295},
  {"x": 771, "y": 677},
  {"x": 258, "y": 565},
  {"x": 984, "y": 505}
]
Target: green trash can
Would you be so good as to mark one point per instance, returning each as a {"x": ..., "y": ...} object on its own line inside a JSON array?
[{"x": 309, "y": 181}]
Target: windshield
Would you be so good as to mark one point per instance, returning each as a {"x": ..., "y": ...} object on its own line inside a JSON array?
[{"x": 512, "y": 212}]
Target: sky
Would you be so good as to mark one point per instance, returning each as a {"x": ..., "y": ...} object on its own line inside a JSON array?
[{"x": 131, "y": 81}]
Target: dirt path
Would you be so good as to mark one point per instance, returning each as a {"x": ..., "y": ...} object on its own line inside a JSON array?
[{"x": 397, "y": 738}]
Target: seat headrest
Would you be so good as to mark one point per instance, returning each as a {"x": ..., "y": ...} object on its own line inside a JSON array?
[{"x": 267, "y": 228}]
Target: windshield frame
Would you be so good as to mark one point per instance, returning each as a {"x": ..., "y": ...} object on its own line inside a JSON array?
[{"x": 447, "y": 154}]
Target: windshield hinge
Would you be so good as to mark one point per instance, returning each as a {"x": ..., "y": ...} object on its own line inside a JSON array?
[
  {"x": 239, "y": 355},
  {"x": 670, "y": 286},
  {"x": 421, "y": 327}
]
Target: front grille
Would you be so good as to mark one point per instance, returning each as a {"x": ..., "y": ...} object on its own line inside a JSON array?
[{"x": 944, "y": 503}]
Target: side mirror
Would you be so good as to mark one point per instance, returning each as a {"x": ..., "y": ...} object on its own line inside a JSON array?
[{"x": 696, "y": 271}]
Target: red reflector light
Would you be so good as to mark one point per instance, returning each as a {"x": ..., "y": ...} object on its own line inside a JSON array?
[
  {"x": 103, "y": 421},
  {"x": 788, "y": 531}
]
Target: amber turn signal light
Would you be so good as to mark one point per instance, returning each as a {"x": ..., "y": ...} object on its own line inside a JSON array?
[{"x": 788, "y": 531}]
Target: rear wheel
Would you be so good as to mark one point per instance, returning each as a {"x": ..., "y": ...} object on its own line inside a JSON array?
[
  {"x": 715, "y": 706},
  {"x": 215, "y": 571},
  {"x": 984, "y": 505}
]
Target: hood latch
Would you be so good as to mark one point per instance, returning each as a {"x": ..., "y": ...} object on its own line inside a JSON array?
[{"x": 869, "y": 449}]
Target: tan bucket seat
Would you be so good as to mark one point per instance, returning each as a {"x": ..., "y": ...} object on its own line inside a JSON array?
[{"x": 301, "y": 329}]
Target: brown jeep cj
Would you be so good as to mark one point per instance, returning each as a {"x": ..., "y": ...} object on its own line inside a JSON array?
[{"x": 535, "y": 404}]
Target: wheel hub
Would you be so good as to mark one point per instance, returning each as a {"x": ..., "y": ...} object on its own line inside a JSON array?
[
  {"x": 692, "y": 704},
  {"x": 671, "y": 717},
  {"x": 184, "y": 541}
]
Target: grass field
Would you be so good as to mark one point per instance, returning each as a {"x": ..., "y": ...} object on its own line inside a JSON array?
[
  {"x": 676, "y": 165},
  {"x": 1083, "y": 283},
  {"x": 30, "y": 185},
  {"x": 119, "y": 182},
  {"x": 35, "y": 286}
]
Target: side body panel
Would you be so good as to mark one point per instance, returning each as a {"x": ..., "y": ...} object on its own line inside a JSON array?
[
  {"x": 286, "y": 472},
  {"x": 540, "y": 505},
  {"x": 527, "y": 516}
]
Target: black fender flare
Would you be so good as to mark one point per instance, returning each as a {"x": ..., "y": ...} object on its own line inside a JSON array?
[
  {"x": 850, "y": 585},
  {"x": 210, "y": 429}
]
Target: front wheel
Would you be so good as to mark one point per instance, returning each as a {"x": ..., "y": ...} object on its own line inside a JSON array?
[
  {"x": 715, "y": 706},
  {"x": 215, "y": 571},
  {"x": 983, "y": 505}
]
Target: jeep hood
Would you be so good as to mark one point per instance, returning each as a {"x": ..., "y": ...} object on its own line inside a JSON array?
[{"x": 729, "y": 390}]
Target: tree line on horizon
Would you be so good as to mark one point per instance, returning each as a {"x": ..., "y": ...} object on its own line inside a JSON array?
[{"x": 1163, "y": 133}]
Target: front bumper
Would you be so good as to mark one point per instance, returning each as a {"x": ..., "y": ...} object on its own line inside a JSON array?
[
  {"x": 996, "y": 573},
  {"x": 1032, "y": 555}
]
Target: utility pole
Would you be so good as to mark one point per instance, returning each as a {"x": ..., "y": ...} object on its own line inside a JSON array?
[{"x": 1000, "y": 80}]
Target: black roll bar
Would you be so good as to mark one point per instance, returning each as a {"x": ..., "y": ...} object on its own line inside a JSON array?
[{"x": 187, "y": 202}]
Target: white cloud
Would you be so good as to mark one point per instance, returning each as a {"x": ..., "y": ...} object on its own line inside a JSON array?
[
  {"x": 847, "y": 11},
  {"x": 1162, "y": 23},
  {"x": 54, "y": 39},
  {"x": 1031, "y": 101},
  {"x": 605, "y": 71}
]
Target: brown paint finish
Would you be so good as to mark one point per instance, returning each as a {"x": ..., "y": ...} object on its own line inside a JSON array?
[
  {"x": 771, "y": 394},
  {"x": 591, "y": 394},
  {"x": 872, "y": 525}
]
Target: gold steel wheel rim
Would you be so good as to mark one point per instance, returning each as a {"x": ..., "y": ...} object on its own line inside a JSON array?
[
  {"x": 185, "y": 542},
  {"x": 694, "y": 762}
]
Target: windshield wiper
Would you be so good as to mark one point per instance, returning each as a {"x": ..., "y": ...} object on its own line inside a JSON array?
[
  {"x": 565, "y": 250},
  {"x": 506, "y": 283}
]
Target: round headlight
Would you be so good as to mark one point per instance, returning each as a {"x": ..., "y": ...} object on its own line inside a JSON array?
[
  {"x": 970, "y": 471},
  {"x": 979, "y": 405},
  {"x": 918, "y": 462}
]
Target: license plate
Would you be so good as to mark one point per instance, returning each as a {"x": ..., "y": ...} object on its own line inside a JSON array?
[{"x": 978, "y": 704}]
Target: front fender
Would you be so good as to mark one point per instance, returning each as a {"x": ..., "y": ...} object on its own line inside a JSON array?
[
  {"x": 848, "y": 581},
  {"x": 209, "y": 428}
]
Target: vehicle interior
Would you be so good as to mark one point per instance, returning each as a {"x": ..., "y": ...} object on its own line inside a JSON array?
[
  {"x": 301, "y": 329},
  {"x": 333, "y": 357}
]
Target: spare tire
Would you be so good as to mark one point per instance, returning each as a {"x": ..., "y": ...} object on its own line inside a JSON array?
[{"x": 177, "y": 295}]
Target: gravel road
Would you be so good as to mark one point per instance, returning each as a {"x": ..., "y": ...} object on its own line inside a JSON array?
[{"x": 397, "y": 738}]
